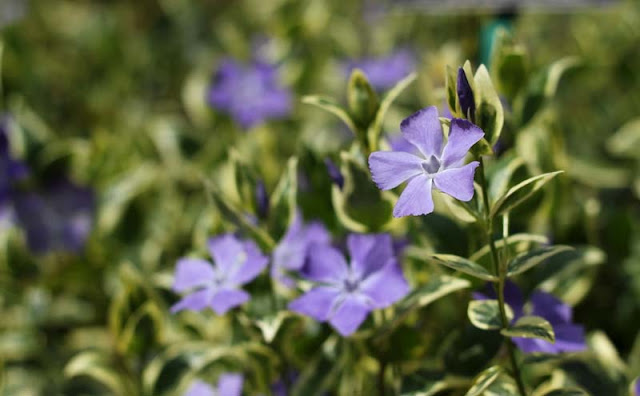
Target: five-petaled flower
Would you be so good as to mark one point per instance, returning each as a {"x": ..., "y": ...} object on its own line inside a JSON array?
[
  {"x": 438, "y": 164},
  {"x": 569, "y": 336},
  {"x": 345, "y": 293},
  {"x": 291, "y": 253},
  {"x": 249, "y": 93},
  {"x": 217, "y": 286},
  {"x": 229, "y": 384}
]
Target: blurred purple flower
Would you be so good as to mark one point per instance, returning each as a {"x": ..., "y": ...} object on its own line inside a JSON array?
[
  {"x": 11, "y": 170},
  {"x": 217, "y": 286},
  {"x": 346, "y": 293},
  {"x": 465, "y": 95},
  {"x": 250, "y": 93},
  {"x": 385, "y": 72},
  {"x": 334, "y": 172},
  {"x": 436, "y": 164},
  {"x": 637, "y": 387},
  {"x": 59, "y": 218},
  {"x": 569, "y": 336},
  {"x": 229, "y": 384},
  {"x": 292, "y": 251}
]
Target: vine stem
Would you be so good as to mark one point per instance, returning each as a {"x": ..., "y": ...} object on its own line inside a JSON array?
[{"x": 500, "y": 269}]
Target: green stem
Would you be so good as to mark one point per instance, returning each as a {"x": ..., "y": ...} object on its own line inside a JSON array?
[{"x": 500, "y": 269}]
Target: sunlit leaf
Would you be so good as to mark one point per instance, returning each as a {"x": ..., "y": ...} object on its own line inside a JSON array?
[
  {"x": 534, "y": 257},
  {"x": 531, "y": 327},
  {"x": 485, "y": 314}
]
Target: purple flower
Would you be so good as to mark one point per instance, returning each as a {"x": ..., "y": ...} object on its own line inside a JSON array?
[
  {"x": 228, "y": 385},
  {"x": 291, "y": 253},
  {"x": 637, "y": 387},
  {"x": 262, "y": 199},
  {"x": 438, "y": 164},
  {"x": 569, "y": 336},
  {"x": 385, "y": 72},
  {"x": 11, "y": 170},
  {"x": 59, "y": 218},
  {"x": 217, "y": 286},
  {"x": 465, "y": 95},
  {"x": 250, "y": 93},
  {"x": 346, "y": 293}
]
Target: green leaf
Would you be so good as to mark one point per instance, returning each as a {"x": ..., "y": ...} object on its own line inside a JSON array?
[
  {"x": 503, "y": 386},
  {"x": 511, "y": 240},
  {"x": 566, "y": 392},
  {"x": 376, "y": 126},
  {"x": 531, "y": 327},
  {"x": 94, "y": 365},
  {"x": 270, "y": 325},
  {"x": 556, "y": 71},
  {"x": 362, "y": 99},
  {"x": 282, "y": 204},
  {"x": 502, "y": 173},
  {"x": 437, "y": 287},
  {"x": 360, "y": 206},
  {"x": 511, "y": 70},
  {"x": 626, "y": 141},
  {"x": 452, "y": 94},
  {"x": 463, "y": 265},
  {"x": 236, "y": 215},
  {"x": 520, "y": 193},
  {"x": 534, "y": 257},
  {"x": 597, "y": 173},
  {"x": 332, "y": 107},
  {"x": 489, "y": 112},
  {"x": 484, "y": 380},
  {"x": 485, "y": 314}
]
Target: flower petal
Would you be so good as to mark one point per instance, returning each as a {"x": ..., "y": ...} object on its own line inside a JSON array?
[
  {"x": 369, "y": 252},
  {"x": 423, "y": 130},
  {"x": 254, "y": 263},
  {"x": 550, "y": 308},
  {"x": 390, "y": 168},
  {"x": 416, "y": 198},
  {"x": 457, "y": 182},
  {"x": 325, "y": 264},
  {"x": 462, "y": 136},
  {"x": 225, "y": 299},
  {"x": 200, "y": 388},
  {"x": 386, "y": 286},
  {"x": 569, "y": 337},
  {"x": 316, "y": 303},
  {"x": 349, "y": 315},
  {"x": 230, "y": 384},
  {"x": 192, "y": 272},
  {"x": 196, "y": 301},
  {"x": 227, "y": 252}
]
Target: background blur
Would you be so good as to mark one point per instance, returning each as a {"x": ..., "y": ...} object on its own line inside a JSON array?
[{"x": 110, "y": 97}]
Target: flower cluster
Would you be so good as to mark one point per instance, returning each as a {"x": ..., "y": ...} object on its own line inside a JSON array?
[
  {"x": 251, "y": 93},
  {"x": 344, "y": 293}
]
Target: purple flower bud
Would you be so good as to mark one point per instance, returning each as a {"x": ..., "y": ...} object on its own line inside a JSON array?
[
  {"x": 465, "y": 96},
  {"x": 262, "y": 200},
  {"x": 334, "y": 173}
]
